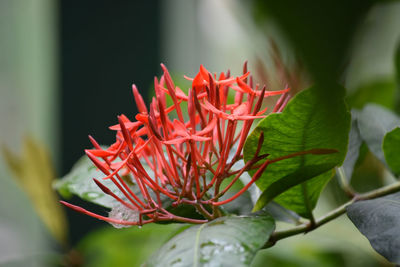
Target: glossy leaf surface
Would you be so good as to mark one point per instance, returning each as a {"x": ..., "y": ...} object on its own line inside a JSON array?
[
  {"x": 79, "y": 181},
  {"x": 227, "y": 241},
  {"x": 353, "y": 149},
  {"x": 305, "y": 124},
  {"x": 379, "y": 221},
  {"x": 374, "y": 123},
  {"x": 391, "y": 150}
]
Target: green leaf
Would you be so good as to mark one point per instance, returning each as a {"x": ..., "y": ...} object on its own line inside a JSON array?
[
  {"x": 397, "y": 69},
  {"x": 130, "y": 246},
  {"x": 282, "y": 214},
  {"x": 379, "y": 221},
  {"x": 391, "y": 150},
  {"x": 305, "y": 124},
  {"x": 397, "y": 63},
  {"x": 79, "y": 182},
  {"x": 227, "y": 241},
  {"x": 353, "y": 148},
  {"x": 288, "y": 182},
  {"x": 380, "y": 92},
  {"x": 374, "y": 122},
  {"x": 304, "y": 197}
]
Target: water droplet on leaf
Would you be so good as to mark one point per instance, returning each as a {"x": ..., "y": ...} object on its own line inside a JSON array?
[
  {"x": 122, "y": 213},
  {"x": 91, "y": 195}
]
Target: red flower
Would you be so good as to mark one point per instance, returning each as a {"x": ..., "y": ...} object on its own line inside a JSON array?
[{"x": 182, "y": 153}]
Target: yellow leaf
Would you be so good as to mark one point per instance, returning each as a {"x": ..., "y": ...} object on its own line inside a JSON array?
[{"x": 34, "y": 172}]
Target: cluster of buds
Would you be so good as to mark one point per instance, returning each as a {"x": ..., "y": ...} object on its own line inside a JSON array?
[{"x": 185, "y": 159}]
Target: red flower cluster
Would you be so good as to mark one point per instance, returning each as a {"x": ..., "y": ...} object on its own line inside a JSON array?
[{"x": 189, "y": 156}]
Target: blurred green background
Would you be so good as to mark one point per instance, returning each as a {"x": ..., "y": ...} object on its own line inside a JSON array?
[{"x": 66, "y": 68}]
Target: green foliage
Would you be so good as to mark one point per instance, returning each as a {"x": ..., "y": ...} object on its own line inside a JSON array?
[
  {"x": 368, "y": 173},
  {"x": 227, "y": 241},
  {"x": 303, "y": 197},
  {"x": 124, "y": 247},
  {"x": 374, "y": 123},
  {"x": 79, "y": 182},
  {"x": 354, "y": 146},
  {"x": 372, "y": 126},
  {"x": 397, "y": 65},
  {"x": 379, "y": 220},
  {"x": 323, "y": 37},
  {"x": 391, "y": 150},
  {"x": 298, "y": 177},
  {"x": 294, "y": 183},
  {"x": 316, "y": 119},
  {"x": 279, "y": 213},
  {"x": 380, "y": 92},
  {"x": 376, "y": 218},
  {"x": 305, "y": 257},
  {"x": 304, "y": 124},
  {"x": 334, "y": 244}
]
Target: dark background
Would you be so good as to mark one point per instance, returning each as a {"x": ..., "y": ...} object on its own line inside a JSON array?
[{"x": 104, "y": 49}]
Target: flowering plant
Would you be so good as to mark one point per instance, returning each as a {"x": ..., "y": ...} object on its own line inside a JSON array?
[
  {"x": 182, "y": 162},
  {"x": 180, "y": 154}
]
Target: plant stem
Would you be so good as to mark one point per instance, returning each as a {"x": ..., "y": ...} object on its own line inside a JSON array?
[
  {"x": 203, "y": 211},
  {"x": 308, "y": 226},
  {"x": 344, "y": 182},
  {"x": 187, "y": 220},
  {"x": 307, "y": 203}
]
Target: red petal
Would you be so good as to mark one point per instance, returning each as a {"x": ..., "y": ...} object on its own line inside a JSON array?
[
  {"x": 128, "y": 125},
  {"x": 198, "y": 81},
  {"x": 139, "y": 100},
  {"x": 262, "y": 111},
  {"x": 101, "y": 153},
  {"x": 245, "y": 87},
  {"x": 208, "y": 128},
  {"x": 180, "y": 94},
  {"x": 200, "y": 138},
  {"x": 241, "y": 109},
  {"x": 269, "y": 93},
  {"x": 176, "y": 141},
  {"x": 204, "y": 72}
]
